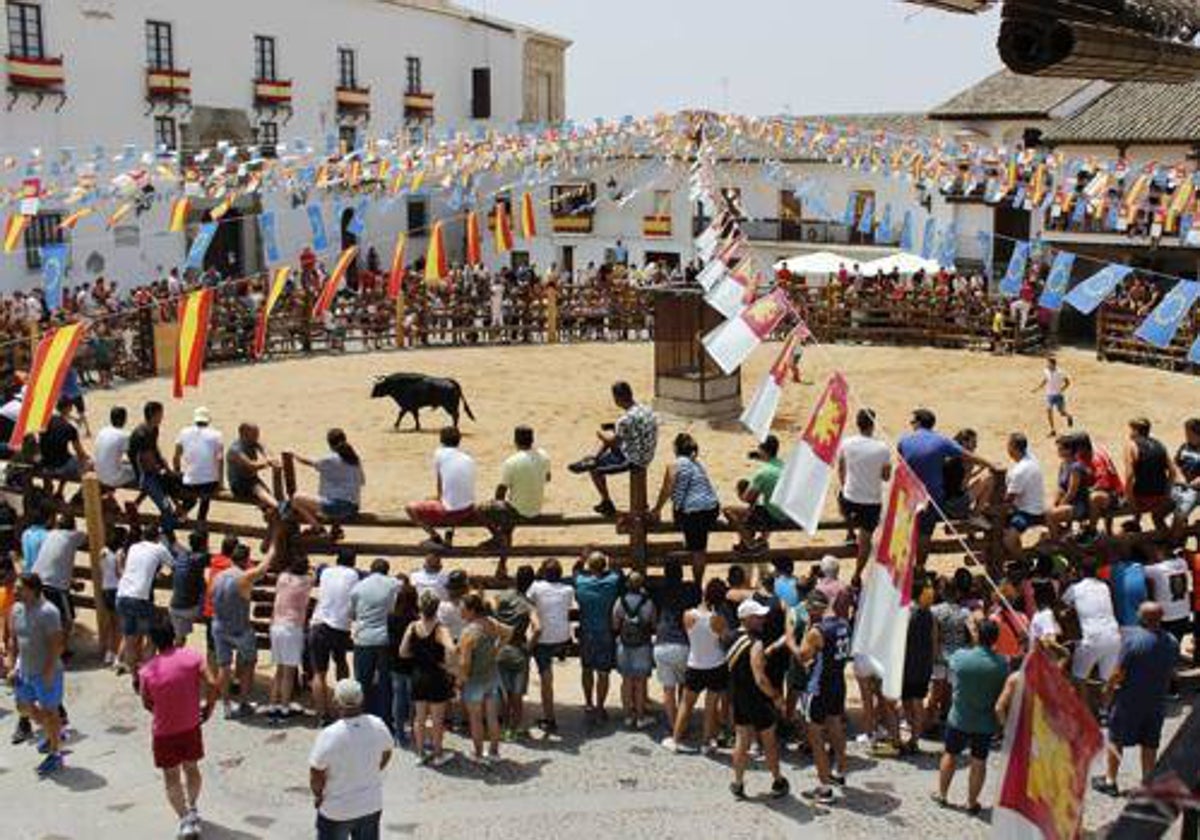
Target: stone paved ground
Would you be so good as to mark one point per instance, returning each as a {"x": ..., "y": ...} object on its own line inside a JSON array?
[{"x": 611, "y": 784}]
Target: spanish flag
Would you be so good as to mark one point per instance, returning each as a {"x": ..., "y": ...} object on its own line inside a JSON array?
[
  {"x": 120, "y": 213},
  {"x": 503, "y": 229},
  {"x": 335, "y": 280},
  {"x": 218, "y": 212},
  {"x": 190, "y": 347},
  {"x": 55, "y": 352},
  {"x": 14, "y": 229},
  {"x": 474, "y": 246},
  {"x": 436, "y": 266},
  {"x": 278, "y": 283},
  {"x": 179, "y": 213},
  {"x": 528, "y": 220},
  {"x": 396, "y": 277},
  {"x": 75, "y": 218}
]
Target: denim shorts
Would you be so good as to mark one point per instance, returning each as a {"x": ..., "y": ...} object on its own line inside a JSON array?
[
  {"x": 636, "y": 661},
  {"x": 478, "y": 691},
  {"x": 137, "y": 614},
  {"x": 338, "y": 509},
  {"x": 244, "y": 644},
  {"x": 1185, "y": 498},
  {"x": 33, "y": 691},
  {"x": 543, "y": 655},
  {"x": 597, "y": 651}
]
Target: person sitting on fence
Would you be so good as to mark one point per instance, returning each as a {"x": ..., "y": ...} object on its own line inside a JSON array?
[
  {"x": 63, "y": 455},
  {"x": 1108, "y": 489},
  {"x": 627, "y": 445},
  {"x": 112, "y": 450},
  {"x": 199, "y": 451},
  {"x": 454, "y": 502},
  {"x": 759, "y": 517},
  {"x": 154, "y": 478},
  {"x": 339, "y": 491},
  {"x": 245, "y": 460},
  {"x": 1073, "y": 500},
  {"x": 1186, "y": 492},
  {"x": 1025, "y": 492},
  {"x": 1149, "y": 474},
  {"x": 519, "y": 495}
]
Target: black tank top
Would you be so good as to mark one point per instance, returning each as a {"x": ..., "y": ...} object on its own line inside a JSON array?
[
  {"x": 1150, "y": 471},
  {"x": 744, "y": 690},
  {"x": 828, "y": 678}
]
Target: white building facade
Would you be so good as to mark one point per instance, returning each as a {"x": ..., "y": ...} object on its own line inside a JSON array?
[{"x": 88, "y": 79}]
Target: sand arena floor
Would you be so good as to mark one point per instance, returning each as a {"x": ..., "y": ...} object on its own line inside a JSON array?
[{"x": 563, "y": 392}]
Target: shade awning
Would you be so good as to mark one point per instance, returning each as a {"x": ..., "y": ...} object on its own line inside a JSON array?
[{"x": 822, "y": 262}]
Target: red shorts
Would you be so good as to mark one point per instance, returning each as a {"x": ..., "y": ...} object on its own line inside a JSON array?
[
  {"x": 182, "y": 747},
  {"x": 434, "y": 513}
]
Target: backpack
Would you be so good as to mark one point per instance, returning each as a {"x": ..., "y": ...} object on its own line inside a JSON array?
[{"x": 635, "y": 629}]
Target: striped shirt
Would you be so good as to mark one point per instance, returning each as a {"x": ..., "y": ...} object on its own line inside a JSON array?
[{"x": 693, "y": 492}]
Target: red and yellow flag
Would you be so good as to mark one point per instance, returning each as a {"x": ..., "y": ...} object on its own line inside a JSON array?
[
  {"x": 436, "y": 264},
  {"x": 55, "y": 353},
  {"x": 897, "y": 548},
  {"x": 503, "y": 229},
  {"x": 474, "y": 243},
  {"x": 396, "y": 276},
  {"x": 335, "y": 280},
  {"x": 192, "y": 343},
  {"x": 179, "y": 213},
  {"x": 278, "y": 283},
  {"x": 528, "y": 219},
  {"x": 219, "y": 212},
  {"x": 14, "y": 229},
  {"x": 75, "y": 218},
  {"x": 1053, "y": 740},
  {"x": 828, "y": 420}
]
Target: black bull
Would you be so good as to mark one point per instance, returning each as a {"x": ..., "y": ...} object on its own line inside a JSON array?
[{"x": 414, "y": 391}]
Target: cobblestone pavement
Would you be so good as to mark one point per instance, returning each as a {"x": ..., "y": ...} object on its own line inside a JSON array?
[{"x": 585, "y": 784}]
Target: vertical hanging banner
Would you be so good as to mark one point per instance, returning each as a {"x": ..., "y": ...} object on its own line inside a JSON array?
[
  {"x": 14, "y": 230},
  {"x": 179, "y": 215},
  {"x": 1088, "y": 295},
  {"x": 881, "y": 625},
  {"x": 474, "y": 244},
  {"x": 358, "y": 222},
  {"x": 270, "y": 237},
  {"x": 204, "y": 238},
  {"x": 866, "y": 222},
  {"x": 1014, "y": 275},
  {"x": 278, "y": 284},
  {"x": 1058, "y": 281},
  {"x": 316, "y": 221},
  {"x": 884, "y": 234},
  {"x": 851, "y": 207},
  {"x": 985, "y": 242},
  {"x": 528, "y": 218},
  {"x": 396, "y": 275},
  {"x": 54, "y": 269},
  {"x": 732, "y": 342},
  {"x": 190, "y": 347},
  {"x": 55, "y": 353},
  {"x": 804, "y": 481},
  {"x": 334, "y": 282},
  {"x": 502, "y": 230},
  {"x": 948, "y": 253},
  {"x": 1050, "y": 741},
  {"x": 908, "y": 234},
  {"x": 1160, "y": 327},
  {"x": 929, "y": 242},
  {"x": 760, "y": 412},
  {"x": 436, "y": 263}
]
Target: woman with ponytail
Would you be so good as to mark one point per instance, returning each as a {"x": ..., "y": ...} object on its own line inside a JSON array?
[{"x": 339, "y": 488}]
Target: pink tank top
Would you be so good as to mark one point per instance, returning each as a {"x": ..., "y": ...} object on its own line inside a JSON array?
[{"x": 291, "y": 599}]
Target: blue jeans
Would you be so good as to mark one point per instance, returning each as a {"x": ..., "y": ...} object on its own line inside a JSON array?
[
  {"x": 401, "y": 703},
  {"x": 153, "y": 486},
  {"x": 372, "y": 666},
  {"x": 363, "y": 828}
]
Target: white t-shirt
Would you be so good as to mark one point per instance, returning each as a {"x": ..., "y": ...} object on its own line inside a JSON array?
[
  {"x": 865, "y": 458},
  {"x": 1027, "y": 487},
  {"x": 350, "y": 752},
  {"x": 456, "y": 469},
  {"x": 11, "y": 410},
  {"x": 1093, "y": 604},
  {"x": 1054, "y": 380},
  {"x": 141, "y": 565},
  {"x": 435, "y": 582},
  {"x": 333, "y": 597},
  {"x": 202, "y": 448},
  {"x": 1043, "y": 624},
  {"x": 450, "y": 615},
  {"x": 553, "y": 602},
  {"x": 112, "y": 467},
  {"x": 1168, "y": 585}
]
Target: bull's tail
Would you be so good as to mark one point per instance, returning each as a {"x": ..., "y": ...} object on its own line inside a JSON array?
[{"x": 467, "y": 408}]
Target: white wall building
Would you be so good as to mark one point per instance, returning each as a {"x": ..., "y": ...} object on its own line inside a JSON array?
[{"x": 109, "y": 74}]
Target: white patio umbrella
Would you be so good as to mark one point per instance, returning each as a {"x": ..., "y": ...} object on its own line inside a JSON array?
[
  {"x": 903, "y": 262},
  {"x": 822, "y": 262}
]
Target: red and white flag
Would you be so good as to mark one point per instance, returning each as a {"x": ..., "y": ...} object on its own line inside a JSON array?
[
  {"x": 804, "y": 481},
  {"x": 760, "y": 413},
  {"x": 881, "y": 624},
  {"x": 732, "y": 342},
  {"x": 733, "y": 294},
  {"x": 1050, "y": 741}
]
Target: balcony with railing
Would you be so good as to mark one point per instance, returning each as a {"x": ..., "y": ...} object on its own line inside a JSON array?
[
  {"x": 353, "y": 100},
  {"x": 168, "y": 85},
  {"x": 44, "y": 75},
  {"x": 273, "y": 92},
  {"x": 656, "y": 227},
  {"x": 418, "y": 106}
]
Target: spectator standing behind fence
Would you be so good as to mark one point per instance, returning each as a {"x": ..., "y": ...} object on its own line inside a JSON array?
[
  {"x": 199, "y": 455},
  {"x": 626, "y": 445},
  {"x": 329, "y": 629},
  {"x": 371, "y": 602},
  {"x": 633, "y": 621},
  {"x": 232, "y": 631},
  {"x": 514, "y": 609},
  {"x": 551, "y": 598},
  {"x": 596, "y": 589},
  {"x": 288, "y": 612}
]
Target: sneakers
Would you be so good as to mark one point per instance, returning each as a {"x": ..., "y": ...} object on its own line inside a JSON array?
[
  {"x": 630, "y": 723},
  {"x": 441, "y": 760},
  {"x": 50, "y": 764},
  {"x": 1103, "y": 785},
  {"x": 840, "y": 781},
  {"x": 606, "y": 508},
  {"x": 738, "y": 791},
  {"x": 780, "y": 788},
  {"x": 821, "y": 795},
  {"x": 189, "y": 826},
  {"x": 584, "y": 465},
  {"x": 238, "y": 711},
  {"x": 670, "y": 744},
  {"x": 23, "y": 732}
]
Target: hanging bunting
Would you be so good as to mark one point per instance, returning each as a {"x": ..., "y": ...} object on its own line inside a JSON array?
[
  {"x": 204, "y": 238},
  {"x": 54, "y": 269},
  {"x": 804, "y": 481},
  {"x": 502, "y": 231},
  {"x": 179, "y": 214}
]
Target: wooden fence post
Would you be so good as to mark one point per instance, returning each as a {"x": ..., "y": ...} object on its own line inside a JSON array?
[
  {"x": 637, "y": 518},
  {"x": 289, "y": 474},
  {"x": 97, "y": 537},
  {"x": 400, "y": 317}
]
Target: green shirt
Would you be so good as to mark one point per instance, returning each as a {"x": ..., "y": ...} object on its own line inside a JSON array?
[
  {"x": 763, "y": 482},
  {"x": 978, "y": 676}
]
